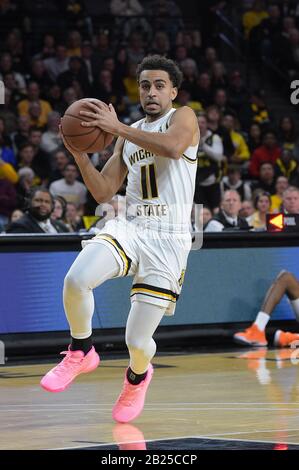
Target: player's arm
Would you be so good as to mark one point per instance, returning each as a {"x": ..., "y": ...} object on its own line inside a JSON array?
[
  {"x": 182, "y": 132},
  {"x": 105, "y": 184}
]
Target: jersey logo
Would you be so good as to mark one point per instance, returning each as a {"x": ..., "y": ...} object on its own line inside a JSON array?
[{"x": 140, "y": 154}]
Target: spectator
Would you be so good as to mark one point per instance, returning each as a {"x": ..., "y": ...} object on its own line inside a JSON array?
[
  {"x": 76, "y": 72},
  {"x": 40, "y": 75},
  {"x": 59, "y": 211},
  {"x": 276, "y": 199},
  {"x": 260, "y": 113},
  {"x": 25, "y": 159},
  {"x": 254, "y": 16},
  {"x": 51, "y": 140},
  {"x": 6, "y": 152},
  {"x": 228, "y": 217},
  {"x": 58, "y": 64},
  {"x": 60, "y": 159},
  {"x": 209, "y": 170},
  {"x": 69, "y": 97},
  {"x": 70, "y": 188},
  {"x": 286, "y": 165},
  {"x": 48, "y": 47},
  {"x": 189, "y": 69},
  {"x": 262, "y": 205},
  {"x": 161, "y": 43},
  {"x": 184, "y": 99},
  {"x": 238, "y": 97},
  {"x": 266, "y": 181},
  {"x": 54, "y": 96},
  {"x": 234, "y": 181},
  {"x": 218, "y": 75},
  {"x": 130, "y": 84},
  {"x": 254, "y": 137},
  {"x": 241, "y": 153},
  {"x": 104, "y": 91},
  {"x": 8, "y": 172},
  {"x": 201, "y": 218},
  {"x": 290, "y": 200},
  {"x": 204, "y": 92},
  {"x": 74, "y": 42},
  {"x": 7, "y": 112},
  {"x": 33, "y": 98},
  {"x": 37, "y": 219},
  {"x": 16, "y": 215},
  {"x": 73, "y": 220},
  {"x": 27, "y": 180},
  {"x": 6, "y": 66},
  {"x": 268, "y": 152},
  {"x": 287, "y": 135},
  {"x": 246, "y": 210},
  {"x": 21, "y": 135},
  {"x": 220, "y": 100},
  {"x": 213, "y": 117}
]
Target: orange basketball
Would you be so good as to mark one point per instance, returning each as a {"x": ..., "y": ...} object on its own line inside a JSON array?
[{"x": 83, "y": 139}]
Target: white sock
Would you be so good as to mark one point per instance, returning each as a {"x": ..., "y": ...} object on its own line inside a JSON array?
[
  {"x": 262, "y": 320},
  {"x": 295, "y": 306}
]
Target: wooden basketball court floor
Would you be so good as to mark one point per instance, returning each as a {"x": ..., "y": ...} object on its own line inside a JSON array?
[{"x": 244, "y": 399}]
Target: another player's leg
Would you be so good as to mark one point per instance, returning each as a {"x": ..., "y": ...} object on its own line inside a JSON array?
[
  {"x": 142, "y": 322},
  {"x": 285, "y": 283},
  {"x": 94, "y": 265}
]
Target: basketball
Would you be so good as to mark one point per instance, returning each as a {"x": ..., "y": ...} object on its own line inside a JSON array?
[{"x": 79, "y": 138}]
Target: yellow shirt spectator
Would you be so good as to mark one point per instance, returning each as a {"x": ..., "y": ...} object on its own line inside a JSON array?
[
  {"x": 41, "y": 120},
  {"x": 8, "y": 172},
  {"x": 241, "y": 148},
  {"x": 276, "y": 202},
  {"x": 251, "y": 19}
]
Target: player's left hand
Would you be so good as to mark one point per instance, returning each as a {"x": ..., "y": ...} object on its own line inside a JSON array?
[{"x": 103, "y": 116}]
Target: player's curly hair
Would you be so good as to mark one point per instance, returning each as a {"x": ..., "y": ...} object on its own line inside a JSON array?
[{"x": 159, "y": 62}]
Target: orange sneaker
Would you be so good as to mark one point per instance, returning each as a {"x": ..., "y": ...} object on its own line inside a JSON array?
[
  {"x": 252, "y": 336},
  {"x": 285, "y": 338}
]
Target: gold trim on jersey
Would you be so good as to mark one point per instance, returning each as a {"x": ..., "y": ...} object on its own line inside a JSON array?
[
  {"x": 189, "y": 160},
  {"x": 155, "y": 292},
  {"x": 119, "y": 249}
]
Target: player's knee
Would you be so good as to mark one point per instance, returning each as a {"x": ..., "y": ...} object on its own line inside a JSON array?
[
  {"x": 285, "y": 276},
  {"x": 135, "y": 345},
  {"x": 73, "y": 282}
]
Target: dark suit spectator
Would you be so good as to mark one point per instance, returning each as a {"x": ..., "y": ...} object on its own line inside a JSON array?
[
  {"x": 228, "y": 217},
  {"x": 37, "y": 219}
]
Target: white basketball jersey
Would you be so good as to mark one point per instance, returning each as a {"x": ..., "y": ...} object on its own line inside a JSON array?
[{"x": 160, "y": 190}]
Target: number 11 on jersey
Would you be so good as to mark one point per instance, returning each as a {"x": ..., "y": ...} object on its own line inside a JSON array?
[{"x": 149, "y": 188}]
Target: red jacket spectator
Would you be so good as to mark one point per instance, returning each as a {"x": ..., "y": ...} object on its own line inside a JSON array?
[{"x": 268, "y": 152}]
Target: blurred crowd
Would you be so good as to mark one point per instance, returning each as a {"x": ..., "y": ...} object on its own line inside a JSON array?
[{"x": 246, "y": 159}]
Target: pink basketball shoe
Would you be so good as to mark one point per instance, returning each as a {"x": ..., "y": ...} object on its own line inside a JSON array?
[
  {"x": 131, "y": 400},
  {"x": 74, "y": 363}
]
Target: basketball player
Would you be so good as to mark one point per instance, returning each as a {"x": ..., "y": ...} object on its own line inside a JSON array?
[
  {"x": 152, "y": 243},
  {"x": 285, "y": 283}
]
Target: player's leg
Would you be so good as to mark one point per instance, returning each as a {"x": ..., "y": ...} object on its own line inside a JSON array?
[
  {"x": 94, "y": 265},
  {"x": 143, "y": 321},
  {"x": 290, "y": 285},
  {"x": 285, "y": 283}
]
